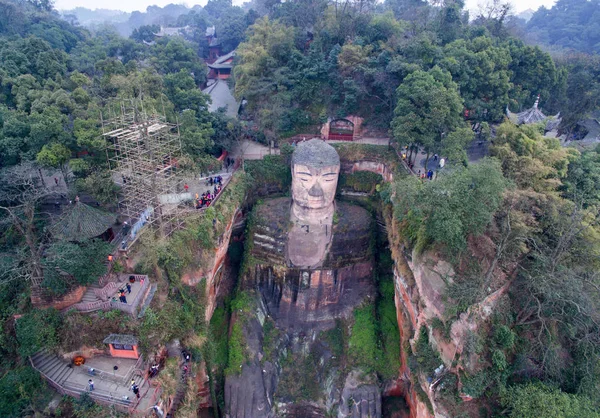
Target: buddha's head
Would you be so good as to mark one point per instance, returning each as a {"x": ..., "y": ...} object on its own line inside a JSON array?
[{"x": 315, "y": 171}]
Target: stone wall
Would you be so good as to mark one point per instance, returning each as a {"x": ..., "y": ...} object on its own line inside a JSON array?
[{"x": 40, "y": 300}]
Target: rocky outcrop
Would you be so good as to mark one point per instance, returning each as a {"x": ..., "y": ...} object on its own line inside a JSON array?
[
  {"x": 211, "y": 270},
  {"x": 421, "y": 281}
]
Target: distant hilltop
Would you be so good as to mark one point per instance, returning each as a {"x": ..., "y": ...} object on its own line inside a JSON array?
[
  {"x": 125, "y": 22},
  {"x": 88, "y": 17},
  {"x": 526, "y": 14}
]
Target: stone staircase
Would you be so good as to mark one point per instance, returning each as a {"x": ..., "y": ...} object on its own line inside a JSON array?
[
  {"x": 90, "y": 294},
  {"x": 52, "y": 366}
]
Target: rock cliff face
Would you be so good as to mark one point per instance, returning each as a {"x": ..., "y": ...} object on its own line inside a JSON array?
[
  {"x": 292, "y": 369},
  {"x": 421, "y": 281}
]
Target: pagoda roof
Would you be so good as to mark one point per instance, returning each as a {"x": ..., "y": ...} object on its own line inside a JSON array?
[
  {"x": 220, "y": 62},
  {"x": 121, "y": 339},
  {"x": 80, "y": 222},
  {"x": 534, "y": 115}
]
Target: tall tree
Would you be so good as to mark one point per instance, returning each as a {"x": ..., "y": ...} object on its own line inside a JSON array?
[{"x": 428, "y": 108}]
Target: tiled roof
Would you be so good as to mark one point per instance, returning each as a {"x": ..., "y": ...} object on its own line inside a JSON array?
[
  {"x": 121, "y": 339},
  {"x": 221, "y": 96},
  {"x": 220, "y": 62},
  {"x": 80, "y": 222},
  {"x": 534, "y": 115}
]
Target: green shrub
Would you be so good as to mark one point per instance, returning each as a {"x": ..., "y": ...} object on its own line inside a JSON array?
[
  {"x": 362, "y": 346},
  {"x": 218, "y": 337},
  {"x": 18, "y": 388},
  {"x": 473, "y": 344},
  {"x": 67, "y": 264},
  {"x": 389, "y": 364},
  {"x": 476, "y": 385},
  {"x": 537, "y": 400},
  {"x": 272, "y": 170},
  {"x": 427, "y": 358},
  {"x": 270, "y": 339},
  {"x": 38, "y": 330},
  {"x": 504, "y": 337},
  {"x": 360, "y": 181},
  {"x": 499, "y": 360},
  {"x": 334, "y": 338},
  {"x": 237, "y": 350},
  {"x": 243, "y": 304}
]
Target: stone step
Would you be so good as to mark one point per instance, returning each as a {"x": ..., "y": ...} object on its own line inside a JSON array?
[
  {"x": 48, "y": 364},
  {"x": 64, "y": 375},
  {"x": 52, "y": 366}
]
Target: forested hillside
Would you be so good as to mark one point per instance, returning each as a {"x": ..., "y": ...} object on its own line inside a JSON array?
[
  {"x": 570, "y": 25},
  {"x": 415, "y": 71}
]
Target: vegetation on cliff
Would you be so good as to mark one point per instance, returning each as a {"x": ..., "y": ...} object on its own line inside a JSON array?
[
  {"x": 522, "y": 224},
  {"x": 528, "y": 222}
]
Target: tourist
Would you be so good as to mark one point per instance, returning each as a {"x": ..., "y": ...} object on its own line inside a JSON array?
[
  {"x": 91, "y": 385},
  {"x": 158, "y": 411},
  {"x": 136, "y": 390},
  {"x": 210, "y": 181},
  {"x": 55, "y": 181},
  {"x": 154, "y": 370},
  {"x": 435, "y": 157},
  {"x": 128, "y": 286},
  {"x": 186, "y": 187},
  {"x": 122, "y": 297}
]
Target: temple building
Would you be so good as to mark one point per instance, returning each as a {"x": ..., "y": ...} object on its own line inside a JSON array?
[
  {"x": 179, "y": 31},
  {"x": 221, "y": 67},
  {"x": 80, "y": 222},
  {"x": 534, "y": 115},
  {"x": 214, "y": 45},
  {"x": 122, "y": 345}
]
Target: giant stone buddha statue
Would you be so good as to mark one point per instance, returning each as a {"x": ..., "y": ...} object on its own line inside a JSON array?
[{"x": 310, "y": 268}]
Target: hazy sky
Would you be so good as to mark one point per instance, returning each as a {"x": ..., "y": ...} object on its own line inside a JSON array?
[{"x": 131, "y": 5}]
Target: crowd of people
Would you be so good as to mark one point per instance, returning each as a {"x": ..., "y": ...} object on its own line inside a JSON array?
[{"x": 207, "y": 197}]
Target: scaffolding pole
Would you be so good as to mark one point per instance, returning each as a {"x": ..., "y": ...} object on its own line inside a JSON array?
[{"x": 142, "y": 153}]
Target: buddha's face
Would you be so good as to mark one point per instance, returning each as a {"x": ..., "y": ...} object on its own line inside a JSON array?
[{"x": 314, "y": 188}]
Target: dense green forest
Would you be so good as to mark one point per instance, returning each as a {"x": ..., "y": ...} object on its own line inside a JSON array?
[
  {"x": 571, "y": 25},
  {"x": 410, "y": 68}
]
